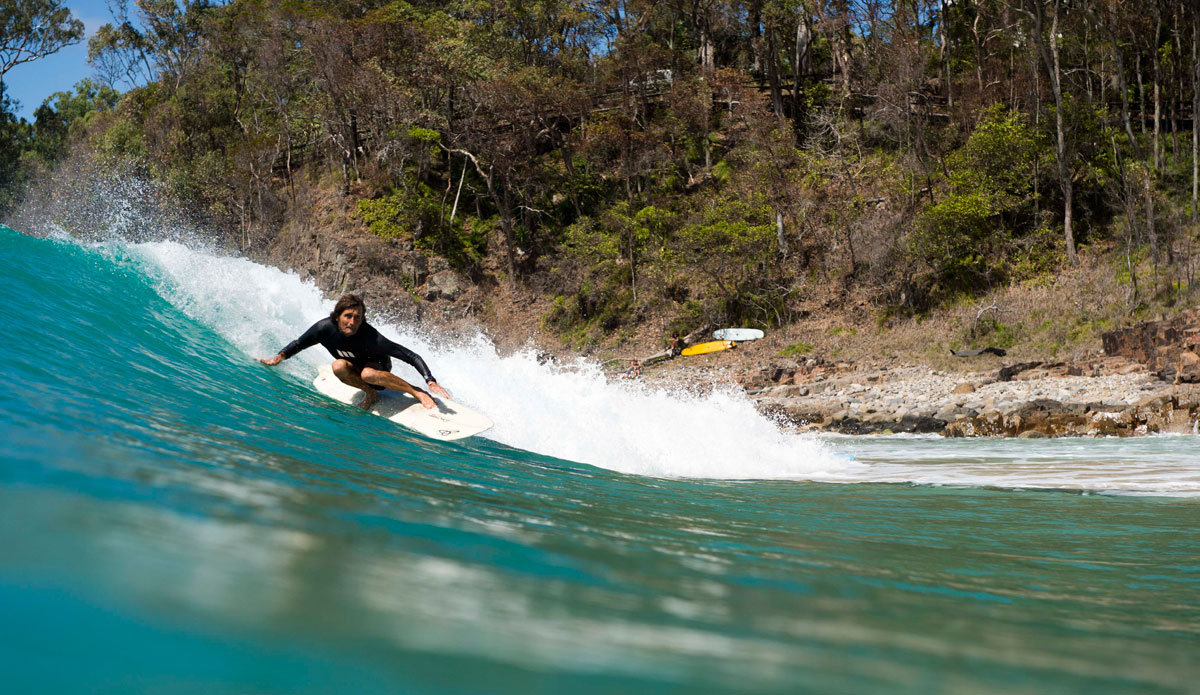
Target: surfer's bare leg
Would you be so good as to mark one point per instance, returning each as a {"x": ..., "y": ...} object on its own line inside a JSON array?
[
  {"x": 347, "y": 373},
  {"x": 379, "y": 377}
]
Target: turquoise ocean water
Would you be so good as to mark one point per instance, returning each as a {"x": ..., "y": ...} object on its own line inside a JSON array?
[{"x": 175, "y": 518}]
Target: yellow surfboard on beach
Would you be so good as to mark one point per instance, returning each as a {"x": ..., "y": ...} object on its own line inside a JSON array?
[{"x": 705, "y": 348}]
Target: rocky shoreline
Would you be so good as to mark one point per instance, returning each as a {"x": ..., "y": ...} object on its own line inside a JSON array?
[
  {"x": 1114, "y": 398},
  {"x": 1145, "y": 380}
]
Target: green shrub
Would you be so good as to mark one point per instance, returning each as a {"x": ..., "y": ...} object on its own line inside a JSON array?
[
  {"x": 997, "y": 333},
  {"x": 985, "y": 230},
  {"x": 796, "y": 349}
]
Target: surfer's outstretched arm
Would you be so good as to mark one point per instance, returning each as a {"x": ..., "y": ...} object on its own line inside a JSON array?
[{"x": 305, "y": 341}]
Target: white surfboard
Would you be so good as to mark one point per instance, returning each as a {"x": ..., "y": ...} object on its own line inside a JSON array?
[
  {"x": 447, "y": 422},
  {"x": 740, "y": 335}
]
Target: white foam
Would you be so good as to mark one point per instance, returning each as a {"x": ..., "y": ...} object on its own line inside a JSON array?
[{"x": 573, "y": 412}]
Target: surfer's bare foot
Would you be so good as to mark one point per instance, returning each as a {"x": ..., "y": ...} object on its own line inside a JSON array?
[{"x": 370, "y": 399}]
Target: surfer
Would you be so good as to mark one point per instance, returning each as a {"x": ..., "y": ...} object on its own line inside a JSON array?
[{"x": 363, "y": 356}]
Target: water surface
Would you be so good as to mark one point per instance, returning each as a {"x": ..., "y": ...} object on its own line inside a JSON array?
[{"x": 176, "y": 518}]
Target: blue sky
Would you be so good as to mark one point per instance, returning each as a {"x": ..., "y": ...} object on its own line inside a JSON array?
[{"x": 32, "y": 82}]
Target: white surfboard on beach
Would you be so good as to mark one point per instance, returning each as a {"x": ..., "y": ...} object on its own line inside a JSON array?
[
  {"x": 447, "y": 422},
  {"x": 739, "y": 335}
]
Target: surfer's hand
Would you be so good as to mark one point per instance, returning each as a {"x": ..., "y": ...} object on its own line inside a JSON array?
[
  {"x": 424, "y": 398},
  {"x": 272, "y": 361},
  {"x": 437, "y": 389}
]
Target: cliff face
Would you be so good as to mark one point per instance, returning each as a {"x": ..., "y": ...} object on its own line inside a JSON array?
[{"x": 322, "y": 240}]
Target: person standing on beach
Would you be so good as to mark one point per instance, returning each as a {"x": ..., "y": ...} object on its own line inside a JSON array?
[{"x": 362, "y": 357}]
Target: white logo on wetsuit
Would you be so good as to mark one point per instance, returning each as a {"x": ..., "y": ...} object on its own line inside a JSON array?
[{"x": 345, "y": 354}]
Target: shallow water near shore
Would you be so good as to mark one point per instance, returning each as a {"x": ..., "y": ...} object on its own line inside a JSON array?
[
  {"x": 1156, "y": 465},
  {"x": 177, "y": 518}
]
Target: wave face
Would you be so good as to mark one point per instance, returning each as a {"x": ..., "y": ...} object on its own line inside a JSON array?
[{"x": 176, "y": 516}]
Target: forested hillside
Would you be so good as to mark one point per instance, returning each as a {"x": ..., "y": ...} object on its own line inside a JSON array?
[{"x": 706, "y": 161}]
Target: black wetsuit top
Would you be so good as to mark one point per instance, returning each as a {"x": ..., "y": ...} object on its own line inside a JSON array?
[{"x": 365, "y": 347}]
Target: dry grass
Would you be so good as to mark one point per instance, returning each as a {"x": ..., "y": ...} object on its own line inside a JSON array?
[{"x": 1060, "y": 318}]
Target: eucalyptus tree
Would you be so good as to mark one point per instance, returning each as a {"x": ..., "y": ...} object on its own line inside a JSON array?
[
  {"x": 161, "y": 39},
  {"x": 32, "y": 29},
  {"x": 1047, "y": 39}
]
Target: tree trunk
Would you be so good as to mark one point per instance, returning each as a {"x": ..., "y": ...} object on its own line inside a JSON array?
[
  {"x": 1141, "y": 94},
  {"x": 1157, "y": 95},
  {"x": 1195, "y": 113},
  {"x": 503, "y": 201},
  {"x": 1174, "y": 117},
  {"x": 801, "y": 67},
  {"x": 773, "y": 73},
  {"x": 1103, "y": 84},
  {"x": 355, "y": 144},
  {"x": 804, "y": 39},
  {"x": 979, "y": 43},
  {"x": 510, "y": 243},
  {"x": 783, "y": 245},
  {"x": 1152, "y": 231},
  {"x": 755, "y": 24},
  {"x": 1062, "y": 153},
  {"x": 1177, "y": 88},
  {"x": 841, "y": 43},
  {"x": 1087, "y": 68},
  {"x": 1122, "y": 85},
  {"x": 458, "y": 194},
  {"x": 944, "y": 51},
  {"x": 703, "y": 21}
]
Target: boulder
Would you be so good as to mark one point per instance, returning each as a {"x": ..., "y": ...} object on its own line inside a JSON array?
[
  {"x": 1178, "y": 421},
  {"x": 1011, "y": 371},
  {"x": 445, "y": 284},
  {"x": 789, "y": 391},
  {"x": 1187, "y": 369}
]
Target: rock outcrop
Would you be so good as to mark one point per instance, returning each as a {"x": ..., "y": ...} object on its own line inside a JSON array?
[
  {"x": 1046, "y": 418},
  {"x": 1169, "y": 347},
  {"x": 1037, "y": 400}
]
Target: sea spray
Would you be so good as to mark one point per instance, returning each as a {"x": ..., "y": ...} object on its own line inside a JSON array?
[
  {"x": 572, "y": 412},
  {"x": 97, "y": 201}
]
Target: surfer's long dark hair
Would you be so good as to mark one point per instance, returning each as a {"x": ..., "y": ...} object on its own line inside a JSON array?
[{"x": 348, "y": 301}]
